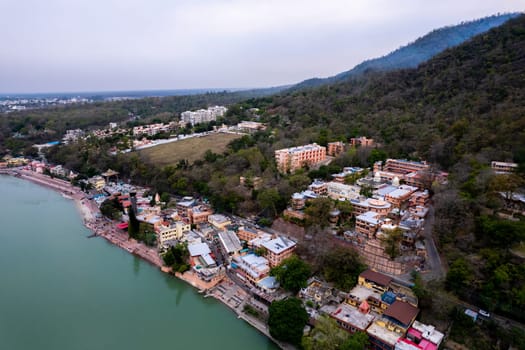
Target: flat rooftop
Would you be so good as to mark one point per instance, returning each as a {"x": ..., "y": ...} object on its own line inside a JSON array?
[
  {"x": 362, "y": 293},
  {"x": 383, "y": 334},
  {"x": 351, "y": 315}
]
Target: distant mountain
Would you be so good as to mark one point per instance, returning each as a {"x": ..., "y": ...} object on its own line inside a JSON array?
[{"x": 421, "y": 50}]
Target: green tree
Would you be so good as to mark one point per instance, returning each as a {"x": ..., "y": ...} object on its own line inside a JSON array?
[
  {"x": 326, "y": 335},
  {"x": 357, "y": 341},
  {"x": 134, "y": 224},
  {"x": 292, "y": 273},
  {"x": 390, "y": 241},
  {"x": 318, "y": 211},
  {"x": 459, "y": 276},
  {"x": 342, "y": 266},
  {"x": 287, "y": 319},
  {"x": 268, "y": 199}
]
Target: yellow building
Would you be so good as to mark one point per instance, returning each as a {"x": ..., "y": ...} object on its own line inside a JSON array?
[{"x": 173, "y": 232}]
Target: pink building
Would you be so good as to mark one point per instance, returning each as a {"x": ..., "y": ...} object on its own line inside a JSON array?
[{"x": 291, "y": 159}]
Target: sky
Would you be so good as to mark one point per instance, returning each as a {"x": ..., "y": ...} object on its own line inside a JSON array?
[{"x": 108, "y": 45}]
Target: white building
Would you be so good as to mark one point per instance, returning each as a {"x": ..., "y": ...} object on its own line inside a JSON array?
[
  {"x": 173, "y": 232},
  {"x": 202, "y": 115}
]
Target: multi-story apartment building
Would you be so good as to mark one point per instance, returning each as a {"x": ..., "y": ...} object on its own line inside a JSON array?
[
  {"x": 199, "y": 214},
  {"x": 361, "y": 141},
  {"x": 202, "y": 115},
  {"x": 291, "y": 159},
  {"x": 172, "y": 232},
  {"x": 368, "y": 223},
  {"x": 335, "y": 148},
  {"x": 278, "y": 249}
]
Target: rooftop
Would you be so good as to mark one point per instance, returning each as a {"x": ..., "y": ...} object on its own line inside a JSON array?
[
  {"x": 310, "y": 147},
  {"x": 376, "y": 277},
  {"x": 383, "y": 334},
  {"x": 362, "y": 293},
  {"x": 230, "y": 241},
  {"x": 401, "y": 311},
  {"x": 278, "y": 245},
  {"x": 369, "y": 217},
  {"x": 351, "y": 315},
  {"x": 197, "y": 249}
]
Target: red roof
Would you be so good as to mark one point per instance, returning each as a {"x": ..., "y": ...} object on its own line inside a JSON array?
[
  {"x": 401, "y": 311},
  {"x": 122, "y": 225},
  {"x": 376, "y": 277}
]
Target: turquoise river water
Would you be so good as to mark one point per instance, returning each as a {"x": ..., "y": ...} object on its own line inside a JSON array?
[{"x": 61, "y": 290}]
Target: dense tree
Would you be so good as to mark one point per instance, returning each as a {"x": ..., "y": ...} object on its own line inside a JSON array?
[
  {"x": 318, "y": 211},
  {"x": 287, "y": 319},
  {"x": 391, "y": 239},
  {"x": 292, "y": 273},
  {"x": 133, "y": 224},
  {"x": 111, "y": 208},
  {"x": 342, "y": 266},
  {"x": 326, "y": 335}
]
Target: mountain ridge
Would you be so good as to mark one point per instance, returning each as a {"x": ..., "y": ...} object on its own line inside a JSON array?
[{"x": 418, "y": 51}]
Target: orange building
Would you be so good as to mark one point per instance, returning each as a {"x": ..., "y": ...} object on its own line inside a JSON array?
[
  {"x": 361, "y": 141},
  {"x": 294, "y": 158},
  {"x": 335, "y": 148}
]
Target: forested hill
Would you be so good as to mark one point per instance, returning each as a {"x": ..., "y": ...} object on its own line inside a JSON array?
[
  {"x": 419, "y": 51},
  {"x": 468, "y": 99}
]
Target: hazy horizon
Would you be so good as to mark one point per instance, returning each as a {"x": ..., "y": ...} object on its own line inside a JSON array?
[{"x": 93, "y": 46}]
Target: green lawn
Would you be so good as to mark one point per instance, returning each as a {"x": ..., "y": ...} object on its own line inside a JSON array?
[{"x": 189, "y": 149}]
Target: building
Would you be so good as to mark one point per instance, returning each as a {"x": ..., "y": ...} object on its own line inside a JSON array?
[
  {"x": 278, "y": 249},
  {"x": 402, "y": 166},
  {"x": 219, "y": 221},
  {"x": 400, "y": 195},
  {"x": 368, "y": 223},
  {"x": 252, "y": 267},
  {"x": 421, "y": 337},
  {"x": 376, "y": 205},
  {"x": 335, "y": 148},
  {"x": 202, "y": 115},
  {"x": 200, "y": 254},
  {"x": 174, "y": 231},
  {"x": 419, "y": 198},
  {"x": 503, "y": 167},
  {"x": 97, "y": 182},
  {"x": 374, "y": 280},
  {"x": 336, "y": 190},
  {"x": 294, "y": 158},
  {"x": 199, "y": 214},
  {"x": 318, "y": 187},
  {"x": 361, "y": 141},
  {"x": 249, "y": 126},
  {"x": 57, "y": 170},
  {"x": 230, "y": 242},
  {"x": 353, "y": 319},
  {"x": 247, "y": 233},
  {"x": 382, "y": 338}
]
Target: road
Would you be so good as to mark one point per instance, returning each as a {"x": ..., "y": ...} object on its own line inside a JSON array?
[{"x": 436, "y": 267}]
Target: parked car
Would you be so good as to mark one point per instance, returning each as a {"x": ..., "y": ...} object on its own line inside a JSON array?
[{"x": 484, "y": 313}]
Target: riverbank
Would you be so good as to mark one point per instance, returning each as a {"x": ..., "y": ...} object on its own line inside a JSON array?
[{"x": 233, "y": 297}]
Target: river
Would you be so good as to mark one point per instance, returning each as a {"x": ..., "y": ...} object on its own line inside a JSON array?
[{"x": 61, "y": 290}]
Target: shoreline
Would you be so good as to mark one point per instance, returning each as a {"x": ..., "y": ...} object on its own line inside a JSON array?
[{"x": 102, "y": 227}]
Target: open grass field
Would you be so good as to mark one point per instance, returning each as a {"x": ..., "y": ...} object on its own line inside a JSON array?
[{"x": 189, "y": 149}]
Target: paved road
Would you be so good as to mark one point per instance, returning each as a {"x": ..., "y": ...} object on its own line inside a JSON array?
[{"x": 437, "y": 270}]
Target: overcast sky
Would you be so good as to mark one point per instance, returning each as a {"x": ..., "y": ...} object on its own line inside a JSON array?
[{"x": 100, "y": 45}]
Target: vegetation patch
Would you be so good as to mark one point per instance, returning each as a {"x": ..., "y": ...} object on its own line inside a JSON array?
[{"x": 190, "y": 149}]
